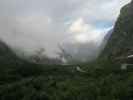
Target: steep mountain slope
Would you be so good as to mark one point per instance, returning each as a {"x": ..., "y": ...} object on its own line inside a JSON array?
[
  {"x": 107, "y": 36},
  {"x": 7, "y": 57},
  {"x": 121, "y": 40}
]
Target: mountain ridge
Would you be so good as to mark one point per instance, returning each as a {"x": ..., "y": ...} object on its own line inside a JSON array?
[{"x": 120, "y": 41}]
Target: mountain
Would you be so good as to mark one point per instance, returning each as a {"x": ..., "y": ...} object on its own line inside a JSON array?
[
  {"x": 7, "y": 56},
  {"x": 107, "y": 36},
  {"x": 120, "y": 42}
]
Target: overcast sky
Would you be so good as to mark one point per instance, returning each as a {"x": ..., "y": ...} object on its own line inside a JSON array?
[{"x": 31, "y": 24}]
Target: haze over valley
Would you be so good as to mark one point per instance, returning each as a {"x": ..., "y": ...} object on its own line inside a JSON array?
[{"x": 76, "y": 25}]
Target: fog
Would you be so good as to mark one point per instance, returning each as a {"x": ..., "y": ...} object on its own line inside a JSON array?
[{"x": 76, "y": 25}]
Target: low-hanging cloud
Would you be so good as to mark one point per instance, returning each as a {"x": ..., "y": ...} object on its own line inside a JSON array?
[{"x": 33, "y": 24}]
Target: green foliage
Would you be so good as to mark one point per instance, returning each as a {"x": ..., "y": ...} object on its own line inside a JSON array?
[
  {"x": 103, "y": 79},
  {"x": 101, "y": 82}
]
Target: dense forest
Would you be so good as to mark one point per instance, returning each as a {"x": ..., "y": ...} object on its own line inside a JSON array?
[{"x": 102, "y": 79}]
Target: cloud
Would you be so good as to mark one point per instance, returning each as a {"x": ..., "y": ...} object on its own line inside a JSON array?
[
  {"x": 31, "y": 32},
  {"x": 33, "y": 24},
  {"x": 84, "y": 32},
  {"x": 78, "y": 26}
]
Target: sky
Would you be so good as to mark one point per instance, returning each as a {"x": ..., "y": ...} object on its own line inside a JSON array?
[{"x": 32, "y": 24}]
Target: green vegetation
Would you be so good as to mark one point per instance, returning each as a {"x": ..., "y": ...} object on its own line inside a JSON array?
[
  {"x": 102, "y": 79},
  {"x": 32, "y": 82}
]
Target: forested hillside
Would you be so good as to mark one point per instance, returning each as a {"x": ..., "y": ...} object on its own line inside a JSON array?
[
  {"x": 98, "y": 80},
  {"x": 120, "y": 43}
]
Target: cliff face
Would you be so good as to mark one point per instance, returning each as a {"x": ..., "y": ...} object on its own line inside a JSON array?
[{"x": 121, "y": 41}]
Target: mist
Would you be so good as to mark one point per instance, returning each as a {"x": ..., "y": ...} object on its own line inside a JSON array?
[{"x": 75, "y": 25}]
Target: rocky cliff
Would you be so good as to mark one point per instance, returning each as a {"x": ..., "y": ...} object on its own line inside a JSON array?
[{"x": 120, "y": 42}]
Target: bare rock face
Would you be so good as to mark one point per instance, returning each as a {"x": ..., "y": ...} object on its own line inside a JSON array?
[{"x": 121, "y": 40}]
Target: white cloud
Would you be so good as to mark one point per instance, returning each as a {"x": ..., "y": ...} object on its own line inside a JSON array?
[
  {"x": 78, "y": 26},
  {"x": 31, "y": 24},
  {"x": 83, "y": 32}
]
